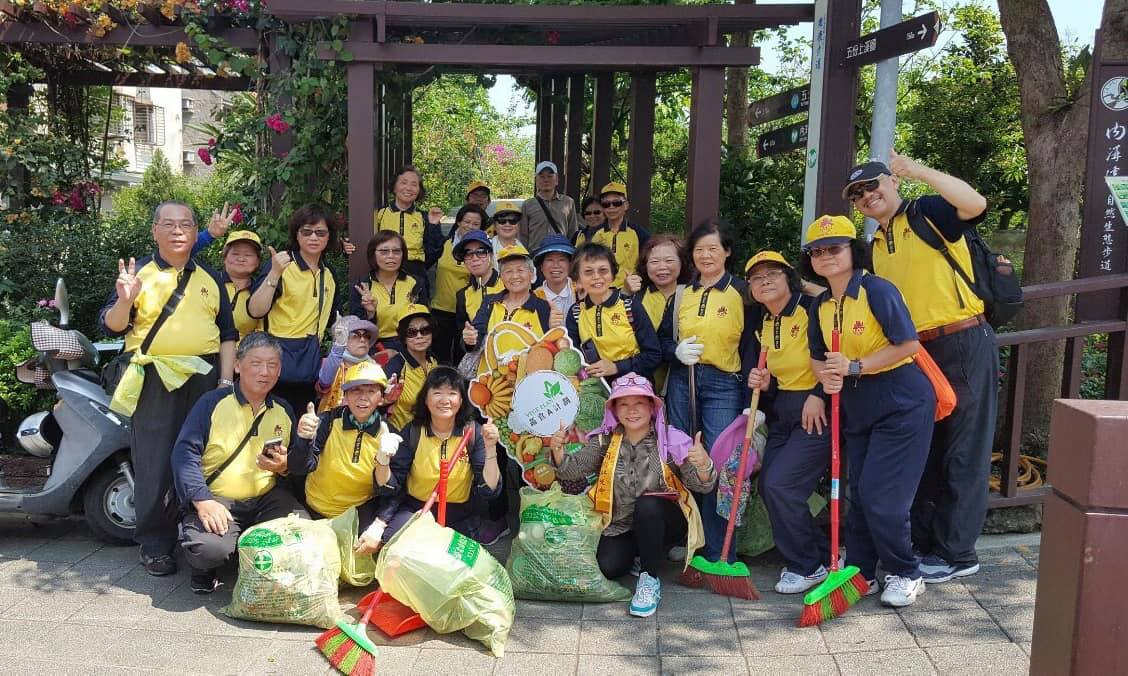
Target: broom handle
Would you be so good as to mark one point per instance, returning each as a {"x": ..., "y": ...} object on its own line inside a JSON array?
[
  {"x": 835, "y": 459},
  {"x": 749, "y": 429},
  {"x": 444, "y": 471}
]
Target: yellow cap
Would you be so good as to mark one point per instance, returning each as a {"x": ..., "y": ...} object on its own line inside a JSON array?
[
  {"x": 413, "y": 310},
  {"x": 364, "y": 373},
  {"x": 514, "y": 251},
  {"x": 476, "y": 185},
  {"x": 831, "y": 230},
  {"x": 507, "y": 205},
  {"x": 614, "y": 186},
  {"x": 243, "y": 236},
  {"x": 765, "y": 257}
]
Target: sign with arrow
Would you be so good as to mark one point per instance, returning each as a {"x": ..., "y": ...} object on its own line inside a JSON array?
[
  {"x": 904, "y": 38},
  {"x": 790, "y": 102},
  {"x": 782, "y": 140}
]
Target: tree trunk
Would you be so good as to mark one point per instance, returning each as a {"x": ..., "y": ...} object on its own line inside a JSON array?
[
  {"x": 736, "y": 99},
  {"x": 1053, "y": 119}
]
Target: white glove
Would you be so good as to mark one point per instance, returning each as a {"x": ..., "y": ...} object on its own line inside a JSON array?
[
  {"x": 375, "y": 531},
  {"x": 308, "y": 423},
  {"x": 689, "y": 351},
  {"x": 341, "y": 330},
  {"x": 389, "y": 444}
]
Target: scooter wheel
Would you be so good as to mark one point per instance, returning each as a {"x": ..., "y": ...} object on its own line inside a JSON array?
[{"x": 108, "y": 504}]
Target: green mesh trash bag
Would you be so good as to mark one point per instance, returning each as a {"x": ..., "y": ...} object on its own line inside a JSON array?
[
  {"x": 754, "y": 535},
  {"x": 357, "y": 570}
]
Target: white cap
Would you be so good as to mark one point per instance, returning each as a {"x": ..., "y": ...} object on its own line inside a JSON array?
[{"x": 541, "y": 166}]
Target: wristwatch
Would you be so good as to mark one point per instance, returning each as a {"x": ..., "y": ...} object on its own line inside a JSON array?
[
  {"x": 855, "y": 368},
  {"x": 224, "y": 382}
]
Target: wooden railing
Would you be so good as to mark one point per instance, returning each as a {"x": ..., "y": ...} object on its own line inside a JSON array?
[{"x": 1116, "y": 376}]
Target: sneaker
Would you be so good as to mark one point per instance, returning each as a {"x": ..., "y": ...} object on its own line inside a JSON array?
[
  {"x": 794, "y": 583},
  {"x": 935, "y": 570},
  {"x": 677, "y": 554},
  {"x": 874, "y": 587},
  {"x": 647, "y": 594},
  {"x": 492, "y": 531},
  {"x": 203, "y": 581},
  {"x": 636, "y": 567},
  {"x": 901, "y": 591},
  {"x": 159, "y": 565}
]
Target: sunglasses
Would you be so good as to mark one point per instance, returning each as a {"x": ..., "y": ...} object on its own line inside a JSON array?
[
  {"x": 832, "y": 250},
  {"x": 310, "y": 232},
  {"x": 593, "y": 213},
  {"x": 859, "y": 191},
  {"x": 508, "y": 219},
  {"x": 475, "y": 253},
  {"x": 361, "y": 334},
  {"x": 613, "y": 203},
  {"x": 417, "y": 332},
  {"x": 631, "y": 380}
]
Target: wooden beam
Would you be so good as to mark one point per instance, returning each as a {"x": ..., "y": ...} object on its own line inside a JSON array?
[
  {"x": 640, "y": 153},
  {"x": 556, "y": 57},
  {"x": 705, "y": 114},
  {"x": 143, "y": 79},
  {"x": 14, "y": 32},
  {"x": 574, "y": 151},
  {"x": 602, "y": 128}
]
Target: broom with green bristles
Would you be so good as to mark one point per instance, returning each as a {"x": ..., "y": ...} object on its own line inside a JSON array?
[{"x": 841, "y": 588}]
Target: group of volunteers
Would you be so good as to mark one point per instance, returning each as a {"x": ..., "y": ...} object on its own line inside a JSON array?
[{"x": 240, "y": 416}]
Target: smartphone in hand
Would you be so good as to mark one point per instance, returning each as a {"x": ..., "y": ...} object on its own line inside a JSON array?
[{"x": 272, "y": 447}]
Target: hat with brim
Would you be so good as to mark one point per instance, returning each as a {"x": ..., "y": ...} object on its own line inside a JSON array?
[
  {"x": 247, "y": 236},
  {"x": 358, "y": 324},
  {"x": 459, "y": 250},
  {"x": 554, "y": 243},
  {"x": 477, "y": 185},
  {"x": 766, "y": 257},
  {"x": 506, "y": 207},
  {"x": 412, "y": 311},
  {"x": 541, "y": 166},
  {"x": 865, "y": 172},
  {"x": 512, "y": 252},
  {"x": 364, "y": 373},
  {"x": 632, "y": 385},
  {"x": 614, "y": 188},
  {"x": 830, "y": 230}
]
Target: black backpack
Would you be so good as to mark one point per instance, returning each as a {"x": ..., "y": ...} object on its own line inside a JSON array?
[{"x": 995, "y": 281}]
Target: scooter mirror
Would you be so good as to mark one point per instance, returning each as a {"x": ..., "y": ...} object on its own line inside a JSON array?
[{"x": 62, "y": 303}]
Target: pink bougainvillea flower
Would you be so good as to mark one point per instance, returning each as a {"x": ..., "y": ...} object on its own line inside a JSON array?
[
  {"x": 211, "y": 142},
  {"x": 75, "y": 201},
  {"x": 553, "y": 37},
  {"x": 42, "y": 302},
  {"x": 205, "y": 156},
  {"x": 237, "y": 214},
  {"x": 277, "y": 124},
  {"x": 58, "y": 198},
  {"x": 52, "y": 303}
]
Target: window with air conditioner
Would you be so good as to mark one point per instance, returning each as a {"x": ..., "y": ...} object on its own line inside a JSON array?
[{"x": 148, "y": 124}]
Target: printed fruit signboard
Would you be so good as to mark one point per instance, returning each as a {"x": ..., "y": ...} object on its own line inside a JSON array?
[{"x": 529, "y": 386}]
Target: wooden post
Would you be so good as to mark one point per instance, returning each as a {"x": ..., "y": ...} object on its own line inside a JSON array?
[
  {"x": 362, "y": 161},
  {"x": 702, "y": 190},
  {"x": 19, "y": 98},
  {"x": 1082, "y": 601},
  {"x": 835, "y": 154},
  {"x": 640, "y": 153},
  {"x": 380, "y": 189},
  {"x": 544, "y": 119},
  {"x": 574, "y": 156},
  {"x": 601, "y": 130},
  {"x": 408, "y": 126},
  {"x": 280, "y": 144},
  {"x": 558, "y": 126}
]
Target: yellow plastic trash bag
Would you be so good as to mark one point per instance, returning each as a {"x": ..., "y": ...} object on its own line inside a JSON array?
[
  {"x": 450, "y": 580},
  {"x": 553, "y": 555},
  {"x": 288, "y": 571},
  {"x": 358, "y": 570}
]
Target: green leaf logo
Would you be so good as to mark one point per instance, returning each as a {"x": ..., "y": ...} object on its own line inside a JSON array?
[{"x": 551, "y": 390}]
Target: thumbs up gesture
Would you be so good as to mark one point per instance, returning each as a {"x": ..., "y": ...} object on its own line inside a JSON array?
[
  {"x": 279, "y": 261},
  {"x": 309, "y": 422},
  {"x": 556, "y": 444},
  {"x": 470, "y": 335},
  {"x": 698, "y": 457},
  {"x": 903, "y": 165},
  {"x": 490, "y": 434}
]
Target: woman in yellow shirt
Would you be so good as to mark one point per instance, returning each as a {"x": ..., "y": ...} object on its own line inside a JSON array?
[
  {"x": 388, "y": 289},
  {"x": 242, "y": 255},
  {"x": 451, "y": 276},
  {"x": 410, "y": 367},
  {"x": 662, "y": 265}
]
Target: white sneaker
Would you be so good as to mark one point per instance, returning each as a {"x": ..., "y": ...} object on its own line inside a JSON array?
[
  {"x": 676, "y": 554},
  {"x": 873, "y": 588},
  {"x": 647, "y": 594},
  {"x": 901, "y": 591},
  {"x": 794, "y": 583}
]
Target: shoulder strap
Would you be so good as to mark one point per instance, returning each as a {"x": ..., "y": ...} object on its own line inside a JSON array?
[
  {"x": 628, "y": 307},
  {"x": 320, "y": 298},
  {"x": 678, "y": 293},
  {"x": 167, "y": 310},
  {"x": 924, "y": 229},
  {"x": 238, "y": 449},
  {"x": 548, "y": 215}
]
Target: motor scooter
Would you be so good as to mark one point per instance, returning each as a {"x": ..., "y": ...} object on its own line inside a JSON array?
[{"x": 86, "y": 443}]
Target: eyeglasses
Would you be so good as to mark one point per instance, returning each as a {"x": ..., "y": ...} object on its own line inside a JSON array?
[
  {"x": 417, "y": 332},
  {"x": 593, "y": 213},
  {"x": 631, "y": 380},
  {"x": 768, "y": 276},
  {"x": 169, "y": 226},
  {"x": 389, "y": 252},
  {"x": 311, "y": 232},
  {"x": 507, "y": 219},
  {"x": 832, "y": 250},
  {"x": 475, "y": 253},
  {"x": 859, "y": 190},
  {"x": 613, "y": 203}
]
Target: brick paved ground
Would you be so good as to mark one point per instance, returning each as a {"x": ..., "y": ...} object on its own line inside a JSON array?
[{"x": 69, "y": 604}]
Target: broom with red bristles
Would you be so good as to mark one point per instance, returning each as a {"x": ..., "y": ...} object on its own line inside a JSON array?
[{"x": 841, "y": 588}]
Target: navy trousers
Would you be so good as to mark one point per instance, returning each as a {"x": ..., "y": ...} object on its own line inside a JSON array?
[
  {"x": 887, "y": 419},
  {"x": 793, "y": 463}
]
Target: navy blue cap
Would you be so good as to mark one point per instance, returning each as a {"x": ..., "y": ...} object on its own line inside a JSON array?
[
  {"x": 478, "y": 236},
  {"x": 554, "y": 242}
]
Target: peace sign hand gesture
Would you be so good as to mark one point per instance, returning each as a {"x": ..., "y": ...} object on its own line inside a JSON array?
[
  {"x": 220, "y": 222},
  {"x": 128, "y": 284},
  {"x": 367, "y": 300}
]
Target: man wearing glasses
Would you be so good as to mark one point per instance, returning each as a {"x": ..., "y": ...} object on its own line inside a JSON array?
[
  {"x": 548, "y": 211},
  {"x": 951, "y": 501},
  {"x": 623, "y": 238},
  {"x": 173, "y": 313}
]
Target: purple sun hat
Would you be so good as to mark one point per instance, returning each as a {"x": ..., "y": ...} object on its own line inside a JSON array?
[{"x": 673, "y": 444}]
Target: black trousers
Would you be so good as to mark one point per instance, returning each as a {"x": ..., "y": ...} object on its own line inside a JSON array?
[
  {"x": 153, "y": 430},
  {"x": 951, "y": 502},
  {"x": 461, "y": 516},
  {"x": 445, "y": 334},
  {"x": 658, "y": 523},
  {"x": 206, "y": 551}
]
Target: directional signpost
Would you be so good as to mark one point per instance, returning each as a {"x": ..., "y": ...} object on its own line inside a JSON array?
[
  {"x": 908, "y": 36},
  {"x": 790, "y": 102},
  {"x": 782, "y": 140}
]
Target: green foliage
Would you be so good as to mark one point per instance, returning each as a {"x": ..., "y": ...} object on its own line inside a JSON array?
[
  {"x": 1094, "y": 366},
  {"x": 22, "y": 400}
]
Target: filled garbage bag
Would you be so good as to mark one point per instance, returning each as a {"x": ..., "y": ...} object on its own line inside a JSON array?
[
  {"x": 450, "y": 580},
  {"x": 357, "y": 570},
  {"x": 553, "y": 556},
  {"x": 288, "y": 570}
]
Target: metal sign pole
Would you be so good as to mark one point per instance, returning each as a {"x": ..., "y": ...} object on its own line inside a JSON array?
[
  {"x": 819, "y": 64},
  {"x": 884, "y": 122}
]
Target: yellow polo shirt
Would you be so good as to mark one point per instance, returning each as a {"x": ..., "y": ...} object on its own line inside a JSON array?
[
  {"x": 785, "y": 338},
  {"x": 469, "y": 298},
  {"x": 532, "y": 314},
  {"x": 935, "y": 294},
  {"x": 299, "y": 308},
  {"x": 715, "y": 315},
  {"x": 424, "y": 475},
  {"x": 655, "y": 304},
  {"x": 412, "y": 374},
  {"x": 390, "y": 302},
  {"x": 607, "y": 325},
  {"x": 409, "y": 223},
  {"x": 872, "y": 315},
  {"x": 624, "y": 243},
  {"x": 346, "y": 458},
  {"x": 244, "y": 322},
  {"x": 450, "y": 276}
]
